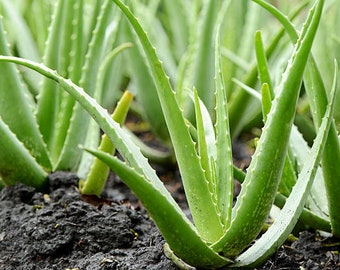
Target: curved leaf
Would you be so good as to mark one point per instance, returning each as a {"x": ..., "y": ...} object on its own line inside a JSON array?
[
  {"x": 16, "y": 162},
  {"x": 285, "y": 222},
  {"x": 200, "y": 201}
]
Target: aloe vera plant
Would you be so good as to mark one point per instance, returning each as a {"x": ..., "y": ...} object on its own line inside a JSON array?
[
  {"x": 220, "y": 232},
  {"x": 40, "y": 125}
]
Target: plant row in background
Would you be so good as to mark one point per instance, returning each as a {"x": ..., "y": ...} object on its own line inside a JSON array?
[{"x": 200, "y": 80}]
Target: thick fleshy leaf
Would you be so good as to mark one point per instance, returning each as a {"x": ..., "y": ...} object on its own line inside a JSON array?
[
  {"x": 70, "y": 155},
  {"x": 318, "y": 101},
  {"x": 202, "y": 206},
  {"x": 264, "y": 173},
  {"x": 285, "y": 222},
  {"x": 15, "y": 110},
  {"x": 224, "y": 170},
  {"x": 17, "y": 163}
]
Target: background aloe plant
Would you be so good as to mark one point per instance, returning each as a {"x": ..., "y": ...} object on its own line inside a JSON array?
[
  {"x": 220, "y": 232},
  {"x": 35, "y": 112}
]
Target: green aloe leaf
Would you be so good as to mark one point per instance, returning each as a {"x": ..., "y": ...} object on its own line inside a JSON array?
[
  {"x": 118, "y": 136},
  {"x": 93, "y": 134},
  {"x": 264, "y": 173},
  {"x": 285, "y": 222},
  {"x": 224, "y": 170},
  {"x": 144, "y": 85},
  {"x": 318, "y": 101},
  {"x": 15, "y": 111},
  {"x": 205, "y": 140},
  {"x": 331, "y": 155},
  {"x": 204, "y": 59},
  {"x": 24, "y": 41},
  {"x": 17, "y": 163},
  {"x": 48, "y": 98},
  {"x": 243, "y": 109},
  {"x": 200, "y": 201},
  {"x": 72, "y": 54},
  {"x": 267, "y": 93},
  {"x": 262, "y": 63},
  {"x": 179, "y": 28},
  {"x": 70, "y": 154}
]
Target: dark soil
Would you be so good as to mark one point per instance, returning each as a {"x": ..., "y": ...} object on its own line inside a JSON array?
[{"x": 60, "y": 229}]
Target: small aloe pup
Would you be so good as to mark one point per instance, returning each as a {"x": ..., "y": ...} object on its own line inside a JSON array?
[
  {"x": 99, "y": 171},
  {"x": 220, "y": 232}
]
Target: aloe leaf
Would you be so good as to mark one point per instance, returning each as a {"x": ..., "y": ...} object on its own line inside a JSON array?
[
  {"x": 77, "y": 49},
  {"x": 16, "y": 162},
  {"x": 179, "y": 27},
  {"x": 15, "y": 111},
  {"x": 267, "y": 92},
  {"x": 307, "y": 217},
  {"x": 262, "y": 63},
  {"x": 40, "y": 22},
  {"x": 318, "y": 101},
  {"x": 74, "y": 71},
  {"x": 155, "y": 156},
  {"x": 251, "y": 91},
  {"x": 179, "y": 233},
  {"x": 204, "y": 135},
  {"x": 25, "y": 44},
  {"x": 285, "y": 222},
  {"x": 300, "y": 150},
  {"x": 148, "y": 14},
  {"x": 233, "y": 25},
  {"x": 242, "y": 109},
  {"x": 144, "y": 87},
  {"x": 204, "y": 60},
  {"x": 186, "y": 64},
  {"x": 117, "y": 135},
  {"x": 317, "y": 201},
  {"x": 201, "y": 204},
  {"x": 266, "y": 99},
  {"x": 205, "y": 140},
  {"x": 315, "y": 218},
  {"x": 264, "y": 173},
  {"x": 48, "y": 98},
  {"x": 331, "y": 154},
  {"x": 70, "y": 154},
  {"x": 72, "y": 52},
  {"x": 224, "y": 170}
]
